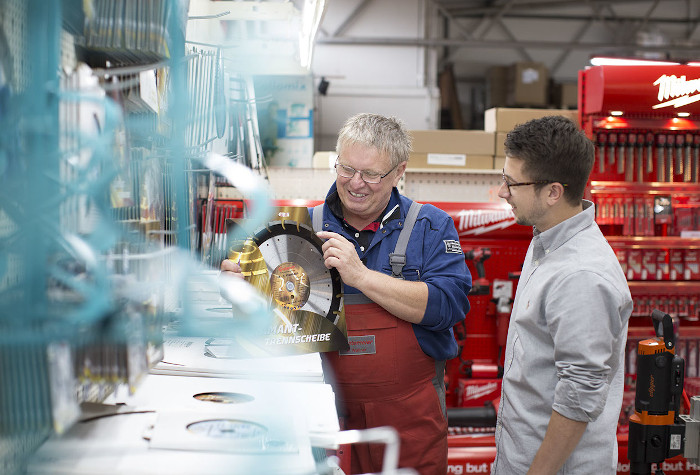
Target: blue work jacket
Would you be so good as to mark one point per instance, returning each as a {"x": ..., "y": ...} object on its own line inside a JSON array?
[{"x": 433, "y": 256}]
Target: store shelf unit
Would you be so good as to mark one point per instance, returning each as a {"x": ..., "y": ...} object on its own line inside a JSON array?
[
  {"x": 87, "y": 208},
  {"x": 111, "y": 124},
  {"x": 646, "y": 225},
  {"x": 645, "y": 182}
]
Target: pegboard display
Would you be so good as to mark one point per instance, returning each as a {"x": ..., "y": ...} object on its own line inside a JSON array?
[
  {"x": 13, "y": 14},
  {"x": 477, "y": 186},
  {"x": 474, "y": 186}
]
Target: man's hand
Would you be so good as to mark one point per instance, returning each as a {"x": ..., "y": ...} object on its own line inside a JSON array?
[
  {"x": 340, "y": 253},
  {"x": 227, "y": 265},
  {"x": 403, "y": 299}
]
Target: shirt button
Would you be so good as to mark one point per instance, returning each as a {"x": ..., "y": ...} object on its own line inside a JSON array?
[
  {"x": 546, "y": 251},
  {"x": 537, "y": 262},
  {"x": 357, "y": 234},
  {"x": 362, "y": 248}
]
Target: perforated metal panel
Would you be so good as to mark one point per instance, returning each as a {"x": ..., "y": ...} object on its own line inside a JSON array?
[
  {"x": 473, "y": 186},
  {"x": 13, "y": 20}
]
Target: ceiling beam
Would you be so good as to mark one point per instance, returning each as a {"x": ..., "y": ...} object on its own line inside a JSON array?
[
  {"x": 442, "y": 42},
  {"x": 351, "y": 18},
  {"x": 459, "y": 10}
]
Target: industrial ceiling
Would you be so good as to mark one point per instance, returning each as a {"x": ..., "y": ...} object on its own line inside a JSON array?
[{"x": 473, "y": 33}]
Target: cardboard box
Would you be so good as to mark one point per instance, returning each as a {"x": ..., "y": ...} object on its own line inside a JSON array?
[
  {"x": 499, "y": 163},
  {"x": 471, "y": 142},
  {"x": 497, "y": 86},
  {"x": 634, "y": 264},
  {"x": 628, "y": 224},
  {"x": 324, "y": 160},
  {"x": 504, "y": 119},
  {"x": 676, "y": 258},
  {"x": 621, "y": 255},
  {"x": 649, "y": 264},
  {"x": 449, "y": 161},
  {"x": 691, "y": 264},
  {"x": 528, "y": 84},
  {"x": 500, "y": 147},
  {"x": 662, "y": 264},
  {"x": 568, "y": 96},
  {"x": 452, "y": 149}
]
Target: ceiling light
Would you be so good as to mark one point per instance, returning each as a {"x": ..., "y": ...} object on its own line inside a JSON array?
[{"x": 612, "y": 61}]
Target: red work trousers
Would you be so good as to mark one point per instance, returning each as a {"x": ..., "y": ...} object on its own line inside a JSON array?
[{"x": 398, "y": 385}]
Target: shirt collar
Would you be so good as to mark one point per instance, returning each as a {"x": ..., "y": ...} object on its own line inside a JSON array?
[
  {"x": 390, "y": 213},
  {"x": 557, "y": 235}
]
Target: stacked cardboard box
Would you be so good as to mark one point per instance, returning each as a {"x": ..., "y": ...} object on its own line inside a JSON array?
[
  {"x": 565, "y": 95},
  {"x": 461, "y": 150},
  {"x": 497, "y": 86},
  {"x": 452, "y": 149},
  {"x": 501, "y": 120},
  {"x": 528, "y": 85}
]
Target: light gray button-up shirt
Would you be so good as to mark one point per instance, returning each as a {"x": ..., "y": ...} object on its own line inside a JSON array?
[{"x": 565, "y": 348}]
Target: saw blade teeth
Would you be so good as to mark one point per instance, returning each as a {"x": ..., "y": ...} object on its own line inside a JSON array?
[{"x": 290, "y": 242}]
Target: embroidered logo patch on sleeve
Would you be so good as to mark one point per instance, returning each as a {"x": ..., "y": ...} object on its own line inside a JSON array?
[{"x": 452, "y": 247}]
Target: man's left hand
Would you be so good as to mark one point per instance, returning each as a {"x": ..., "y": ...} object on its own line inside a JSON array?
[{"x": 339, "y": 253}]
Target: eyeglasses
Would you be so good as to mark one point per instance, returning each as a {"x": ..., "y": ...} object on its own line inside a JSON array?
[
  {"x": 539, "y": 182},
  {"x": 368, "y": 176}
]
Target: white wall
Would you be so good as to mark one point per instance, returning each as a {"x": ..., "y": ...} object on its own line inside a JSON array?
[{"x": 390, "y": 80}]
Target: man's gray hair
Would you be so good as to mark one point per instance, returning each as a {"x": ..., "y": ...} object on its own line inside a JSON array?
[{"x": 386, "y": 134}]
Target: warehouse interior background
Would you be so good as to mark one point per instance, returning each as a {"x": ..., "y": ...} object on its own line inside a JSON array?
[
  {"x": 113, "y": 220},
  {"x": 430, "y": 61},
  {"x": 436, "y": 62}
]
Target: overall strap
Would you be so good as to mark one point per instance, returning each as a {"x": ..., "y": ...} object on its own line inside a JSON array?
[
  {"x": 397, "y": 259},
  {"x": 317, "y": 218}
]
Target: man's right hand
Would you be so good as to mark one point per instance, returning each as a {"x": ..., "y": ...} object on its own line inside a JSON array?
[{"x": 232, "y": 267}]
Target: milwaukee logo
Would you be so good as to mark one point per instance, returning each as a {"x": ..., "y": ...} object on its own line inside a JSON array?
[
  {"x": 681, "y": 91},
  {"x": 474, "y": 222},
  {"x": 475, "y": 392}
]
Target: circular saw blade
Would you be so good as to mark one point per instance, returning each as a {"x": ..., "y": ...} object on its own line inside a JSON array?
[{"x": 290, "y": 242}]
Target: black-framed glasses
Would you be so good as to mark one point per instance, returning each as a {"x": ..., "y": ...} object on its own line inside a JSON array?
[
  {"x": 525, "y": 183},
  {"x": 366, "y": 175}
]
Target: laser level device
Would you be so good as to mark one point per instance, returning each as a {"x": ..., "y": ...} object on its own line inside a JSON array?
[{"x": 656, "y": 430}]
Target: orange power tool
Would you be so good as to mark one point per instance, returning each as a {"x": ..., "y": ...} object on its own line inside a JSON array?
[{"x": 656, "y": 431}]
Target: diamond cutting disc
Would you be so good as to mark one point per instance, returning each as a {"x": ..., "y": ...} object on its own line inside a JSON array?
[
  {"x": 299, "y": 278},
  {"x": 289, "y": 285}
]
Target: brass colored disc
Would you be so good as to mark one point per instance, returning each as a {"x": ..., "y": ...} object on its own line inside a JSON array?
[{"x": 290, "y": 285}]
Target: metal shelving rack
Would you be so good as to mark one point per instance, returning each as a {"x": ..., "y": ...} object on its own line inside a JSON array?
[{"x": 63, "y": 250}]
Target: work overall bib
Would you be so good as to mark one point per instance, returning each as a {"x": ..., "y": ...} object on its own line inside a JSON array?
[{"x": 385, "y": 379}]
